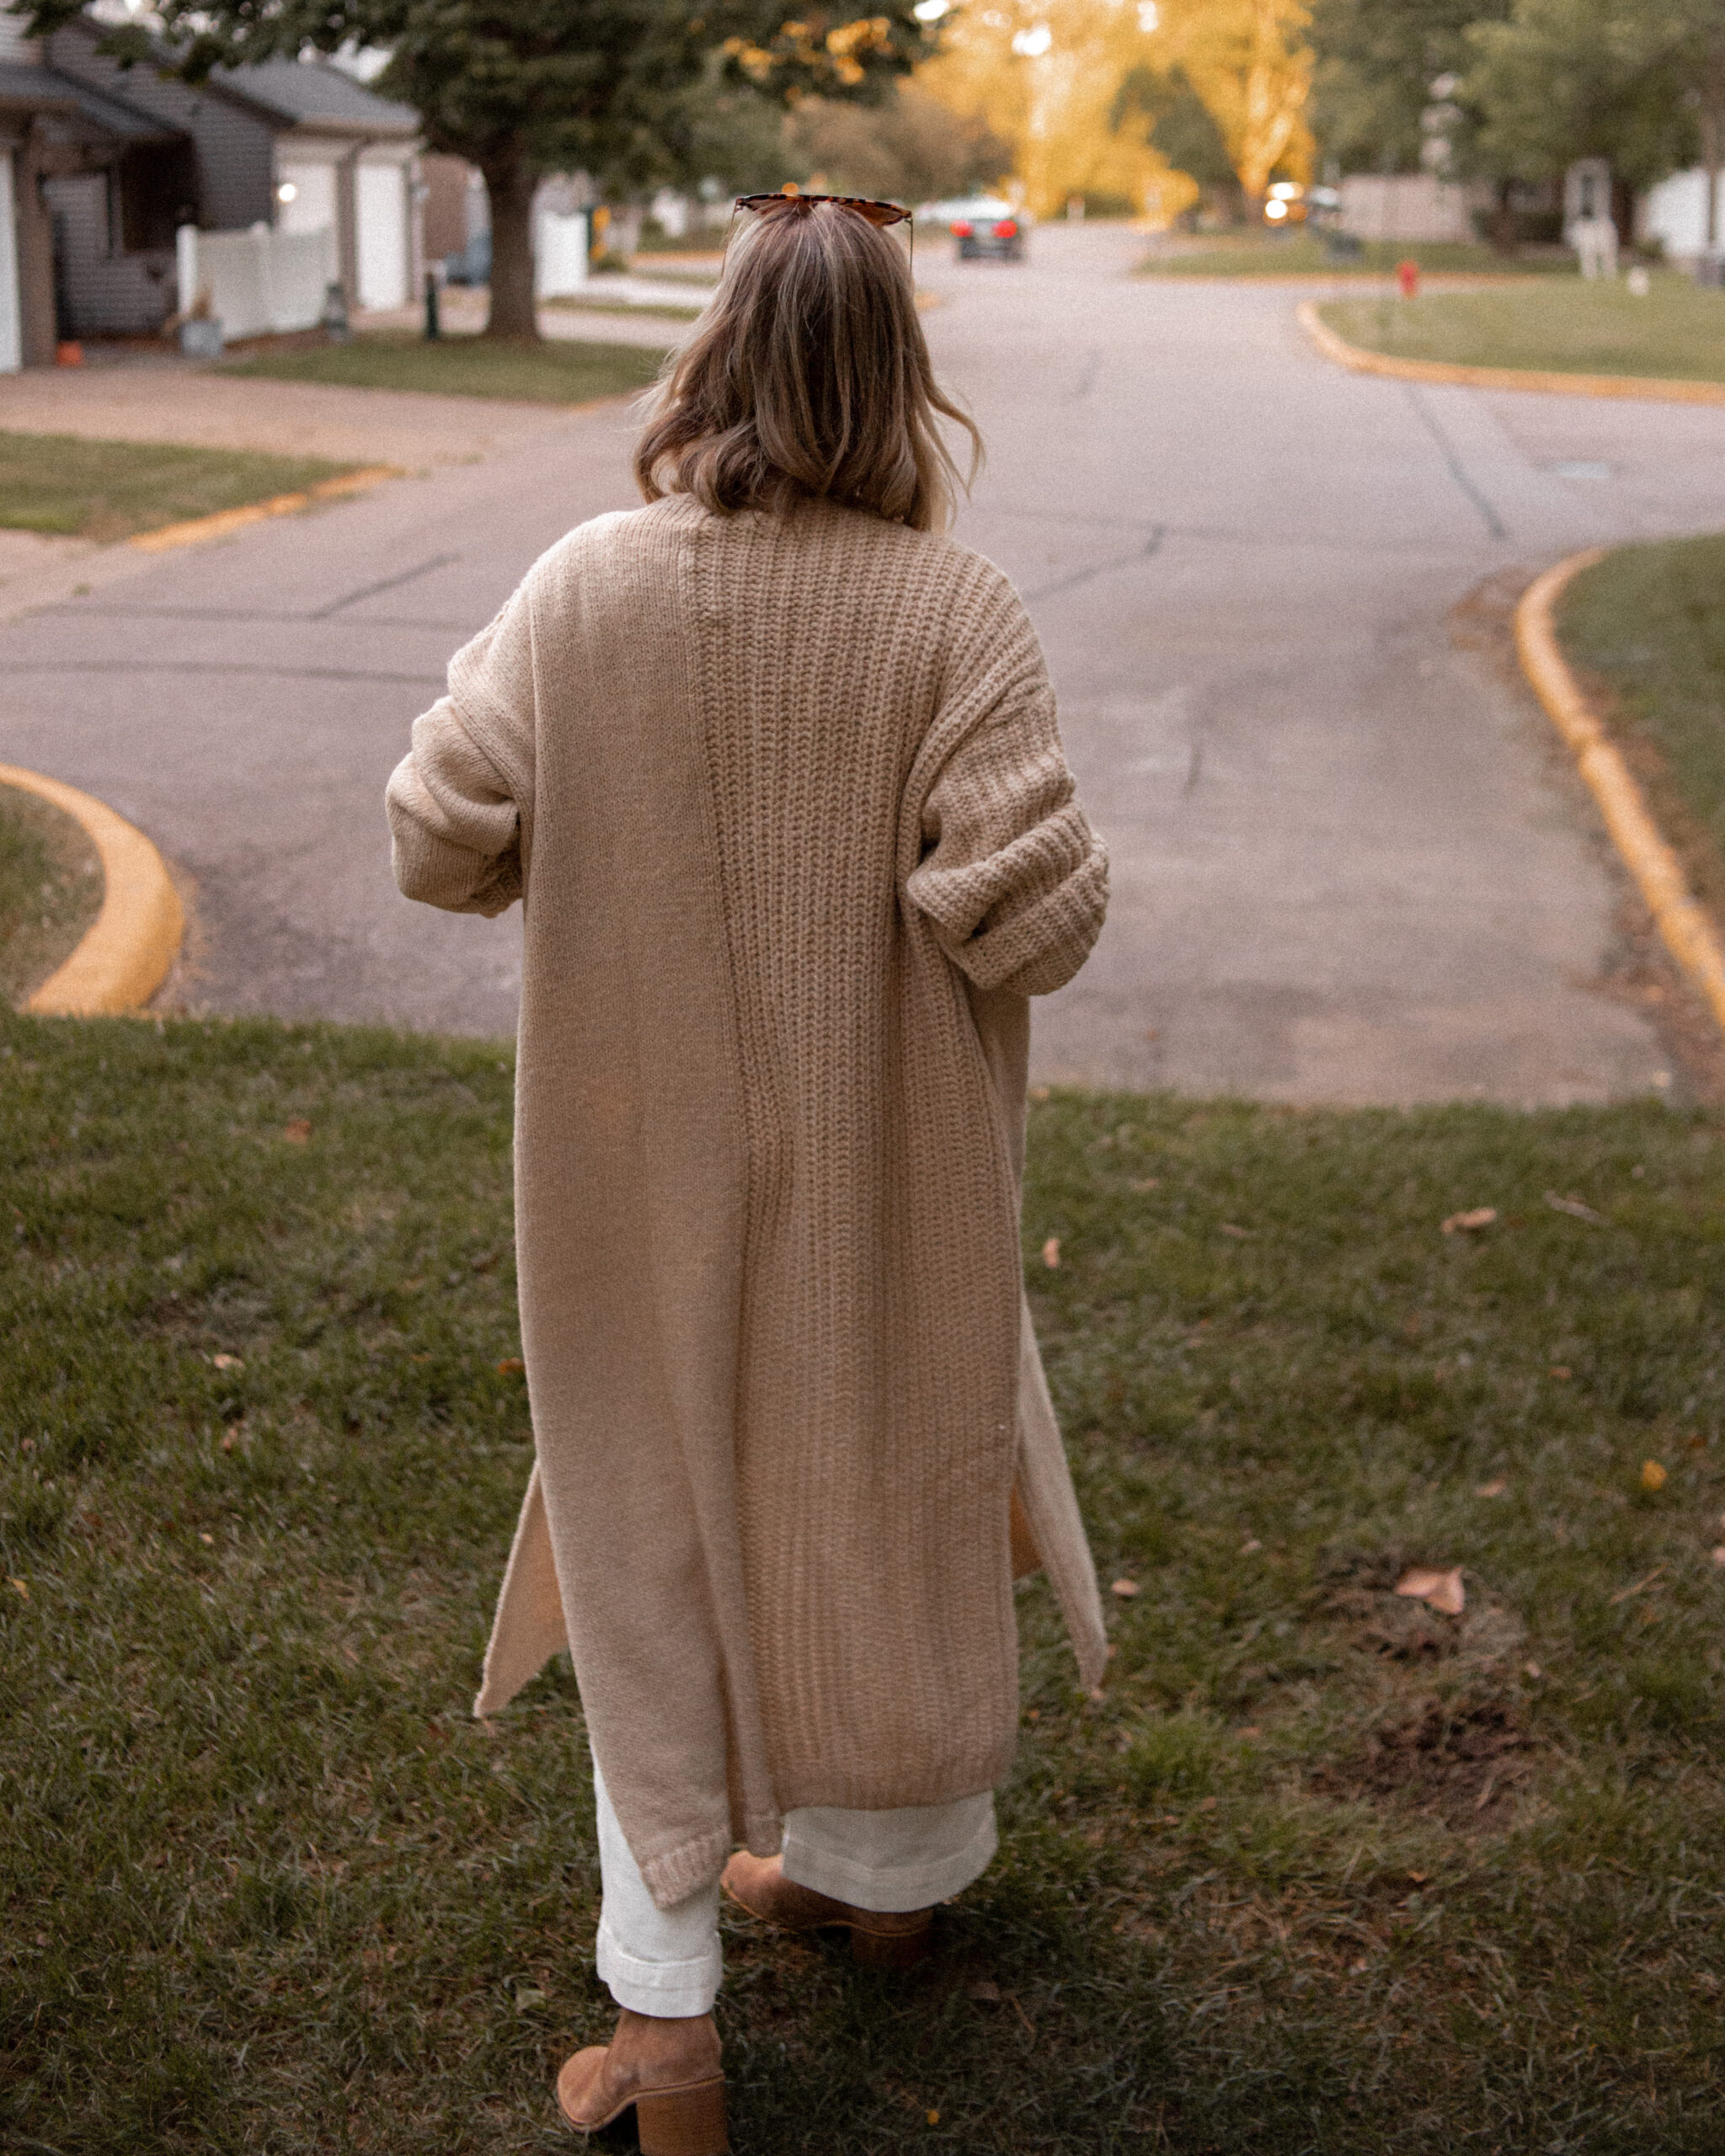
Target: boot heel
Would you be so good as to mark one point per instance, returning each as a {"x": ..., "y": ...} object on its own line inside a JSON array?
[
  {"x": 684, "y": 2122},
  {"x": 890, "y": 1950}
]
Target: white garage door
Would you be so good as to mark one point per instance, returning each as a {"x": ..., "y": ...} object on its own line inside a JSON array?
[
  {"x": 383, "y": 236},
  {"x": 311, "y": 208}
]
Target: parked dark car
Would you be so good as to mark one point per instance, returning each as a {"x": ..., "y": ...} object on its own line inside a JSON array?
[{"x": 986, "y": 226}]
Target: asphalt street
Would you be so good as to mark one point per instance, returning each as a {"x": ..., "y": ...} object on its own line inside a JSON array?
[{"x": 1345, "y": 866}]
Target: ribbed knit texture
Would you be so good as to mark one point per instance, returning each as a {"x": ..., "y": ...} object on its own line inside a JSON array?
[{"x": 797, "y": 837}]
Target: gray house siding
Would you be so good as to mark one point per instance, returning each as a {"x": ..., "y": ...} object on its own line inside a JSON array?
[
  {"x": 100, "y": 291},
  {"x": 234, "y": 147}
]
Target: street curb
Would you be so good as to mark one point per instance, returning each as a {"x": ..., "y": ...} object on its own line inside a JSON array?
[
  {"x": 1687, "y": 929},
  {"x": 1362, "y": 361},
  {"x": 127, "y": 950},
  {"x": 194, "y": 530}
]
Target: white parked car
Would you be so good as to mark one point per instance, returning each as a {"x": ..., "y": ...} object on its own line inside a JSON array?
[{"x": 981, "y": 224}]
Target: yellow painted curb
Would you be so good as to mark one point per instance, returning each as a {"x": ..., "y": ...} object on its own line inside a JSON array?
[
  {"x": 127, "y": 950},
  {"x": 1688, "y": 930},
  {"x": 1362, "y": 361},
  {"x": 195, "y": 530}
]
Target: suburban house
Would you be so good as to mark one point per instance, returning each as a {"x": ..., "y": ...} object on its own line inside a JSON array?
[{"x": 100, "y": 165}]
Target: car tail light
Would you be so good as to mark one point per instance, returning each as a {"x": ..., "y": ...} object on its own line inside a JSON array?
[
  {"x": 961, "y": 232},
  {"x": 1005, "y": 230}
]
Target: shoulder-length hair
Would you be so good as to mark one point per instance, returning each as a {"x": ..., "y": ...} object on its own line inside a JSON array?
[{"x": 808, "y": 377}]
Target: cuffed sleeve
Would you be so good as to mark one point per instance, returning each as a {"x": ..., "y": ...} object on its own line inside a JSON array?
[
  {"x": 455, "y": 828},
  {"x": 460, "y": 802},
  {"x": 1012, "y": 879}
]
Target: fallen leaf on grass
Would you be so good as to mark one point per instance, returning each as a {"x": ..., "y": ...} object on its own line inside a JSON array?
[
  {"x": 209, "y": 1538},
  {"x": 1653, "y": 1476},
  {"x": 1646, "y": 1580},
  {"x": 1240, "y": 1235},
  {"x": 298, "y": 1131},
  {"x": 1249, "y": 1545},
  {"x": 228, "y": 1361},
  {"x": 1480, "y": 1216},
  {"x": 1051, "y": 1252},
  {"x": 18, "y": 1586},
  {"x": 1124, "y": 1588},
  {"x": 1492, "y": 1489},
  {"x": 528, "y": 1996},
  {"x": 1439, "y": 1590},
  {"x": 1574, "y": 1208},
  {"x": 934, "y": 2118},
  {"x": 1148, "y": 1182},
  {"x": 1208, "y": 1803},
  {"x": 1038, "y": 1092},
  {"x": 511, "y": 1366},
  {"x": 1562, "y": 1372}
]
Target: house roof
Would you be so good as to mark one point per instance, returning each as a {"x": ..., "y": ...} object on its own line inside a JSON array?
[
  {"x": 28, "y": 88},
  {"x": 310, "y": 94}
]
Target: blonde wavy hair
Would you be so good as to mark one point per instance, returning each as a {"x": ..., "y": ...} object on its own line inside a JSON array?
[{"x": 808, "y": 377}]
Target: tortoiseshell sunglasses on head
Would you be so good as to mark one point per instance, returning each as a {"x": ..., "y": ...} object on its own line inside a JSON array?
[{"x": 878, "y": 213}]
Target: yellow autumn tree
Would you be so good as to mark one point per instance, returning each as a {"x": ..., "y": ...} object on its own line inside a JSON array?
[
  {"x": 1249, "y": 62},
  {"x": 1047, "y": 76}
]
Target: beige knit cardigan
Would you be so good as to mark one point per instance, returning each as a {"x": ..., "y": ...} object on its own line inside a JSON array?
[{"x": 786, "y": 804}]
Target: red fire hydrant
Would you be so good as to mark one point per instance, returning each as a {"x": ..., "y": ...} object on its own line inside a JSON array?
[{"x": 1407, "y": 277}]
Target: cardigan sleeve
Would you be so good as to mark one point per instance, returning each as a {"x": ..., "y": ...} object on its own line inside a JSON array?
[
  {"x": 459, "y": 802},
  {"x": 1012, "y": 879}
]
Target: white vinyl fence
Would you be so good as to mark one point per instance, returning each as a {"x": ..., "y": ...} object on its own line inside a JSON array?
[{"x": 259, "y": 281}]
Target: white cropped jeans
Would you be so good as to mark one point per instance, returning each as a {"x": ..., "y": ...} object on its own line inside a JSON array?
[{"x": 667, "y": 1962}]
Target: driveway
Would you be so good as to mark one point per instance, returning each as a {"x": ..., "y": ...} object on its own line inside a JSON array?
[{"x": 1346, "y": 866}]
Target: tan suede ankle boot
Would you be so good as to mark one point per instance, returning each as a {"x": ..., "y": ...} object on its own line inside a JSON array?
[
  {"x": 880, "y": 1939},
  {"x": 669, "y": 2069}
]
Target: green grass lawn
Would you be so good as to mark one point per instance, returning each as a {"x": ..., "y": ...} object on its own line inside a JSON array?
[
  {"x": 1565, "y": 326},
  {"x": 65, "y": 485},
  {"x": 1647, "y": 626},
  {"x": 51, "y": 890},
  {"x": 1324, "y": 1873},
  {"x": 1301, "y": 254},
  {"x": 550, "y": 373},
  {"x": 654, "y": 310}
]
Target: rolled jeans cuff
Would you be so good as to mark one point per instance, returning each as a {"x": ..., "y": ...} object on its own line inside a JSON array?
[
  {"x": 899, "y": 1880},
  {"x": 669, "y": 1990}
]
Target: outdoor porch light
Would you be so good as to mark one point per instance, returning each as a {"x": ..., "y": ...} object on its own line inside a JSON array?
[
  {"x": 1275, "y": 211},
  {"x": 287, "y": 192},
  {"x": 930, "y": 11}
]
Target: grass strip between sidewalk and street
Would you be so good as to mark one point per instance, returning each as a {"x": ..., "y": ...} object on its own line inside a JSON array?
[
  {"x": 1676, "y": 334},
  {"x": 1324, "y": 1869},
  {"x": 1304, "y": 255},
  {"x": 558, "y": 372},
  {"x": 1645, "y": 631},
  {"x": 51, "y": 890},
  {"x": 67, "y": 486}
]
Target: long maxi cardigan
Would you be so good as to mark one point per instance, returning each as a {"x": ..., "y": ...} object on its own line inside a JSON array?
[{"x": 786, "y": 802}]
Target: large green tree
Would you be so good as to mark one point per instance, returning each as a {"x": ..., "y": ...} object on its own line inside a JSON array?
[
  {"x": 1629, "y": 80},
  {"x": 1382, "y": 65},
  {"x": 524, "y": 88}
]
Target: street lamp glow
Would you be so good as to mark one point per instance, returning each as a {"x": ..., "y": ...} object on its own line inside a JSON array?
[
  {"x": 930, "y": 11},
  {"x": 1031, "y": 45},
  {"x": 287, "y": 192},
  {"x": 1275, "y": 211}
]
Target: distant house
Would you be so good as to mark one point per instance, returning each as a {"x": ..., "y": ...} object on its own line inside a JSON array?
[{"x": 100, "y": 164}]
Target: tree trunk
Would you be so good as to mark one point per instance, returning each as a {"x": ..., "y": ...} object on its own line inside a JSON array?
[
  {"x": 1711, "y": 131},
  {"x": 508, "y": 186}
]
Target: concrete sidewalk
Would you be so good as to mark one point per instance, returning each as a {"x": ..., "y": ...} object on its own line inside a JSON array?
[{"x": 170, "y": 399}]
